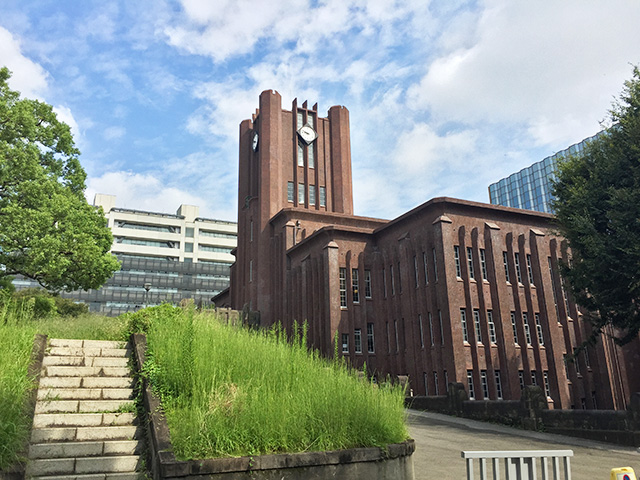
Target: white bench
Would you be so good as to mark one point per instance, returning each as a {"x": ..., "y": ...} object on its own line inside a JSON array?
[{"x": 521, "y": 464}]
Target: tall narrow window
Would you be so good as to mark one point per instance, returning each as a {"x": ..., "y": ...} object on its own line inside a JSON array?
[
  {"x": 395, "y": 328},
  {"x": 446, "y": 381},
  {"x": 343, "y": 287},
  {"x": 505, "y": 260},
  {"x": 300, "y": 118},
  {"x": 300, "y": 154},
  {"x": 357, "y": 340},
  {"x": 415, "y": 271},
  {"x": 565, "y": 297},
  {"x": 290, "y": 192},
  {"x": 435, "y": 265},
  {"x": 384, "y": 282},
  {"x": 323, "y": 197},
  {"x": 371, "y": 346},
  {"x": 426, "y": 383},
  {"x": 431, "y": 329},
  {"x": 301, "y": 193},
  {"x": 470, "y": 262},
  {"x": 517, "y": 262},
  {"x": 251, "y": 270},
  {"x": 311, "y": 160},
  {"x": 515, "y": 327},
  {"x": 547, "y": 385},
  {"x": 527, "y": 329},
  {"x": 456, "y": 258},
  {"x": 312, "y": 194},
  {"x": 367, "y": 284},
  {"x": 463, "y": 320},
  {"x": 539, "y": 329},
  {"x": 483, "y": 264},
  {"x": 492, "y": 327},
  {"x": 472, "y": 393},
  {"x": 498, "y": 384},
  {"x": 393, "y": 280},
  {"x": 441, "y": 328},
  {"x": 534, "y": 378},
  {"x": 424, "y": 263},
  {"x": 476, "y": 321},
  {"x": 345, "y": 343},
  {"x": 435, "y": 383},
  {"x": 421, "y": 331},
  {"x": 355, "y": 285},
  {"x": 529, "y": 269},
  {"x": 521, "y": 379},
  {"x": 485, "y": 384}
]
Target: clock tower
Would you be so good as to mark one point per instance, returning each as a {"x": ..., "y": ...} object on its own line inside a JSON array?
[{"x": 288, "y": 159}]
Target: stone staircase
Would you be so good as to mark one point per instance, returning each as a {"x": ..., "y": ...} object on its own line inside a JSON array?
[{"x": 85, "y": 425}]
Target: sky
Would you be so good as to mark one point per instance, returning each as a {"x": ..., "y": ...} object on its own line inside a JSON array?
[{"x": 445, "y": 97}]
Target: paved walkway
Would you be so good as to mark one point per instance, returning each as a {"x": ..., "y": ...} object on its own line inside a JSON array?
[{"x": 441, "y": 438}]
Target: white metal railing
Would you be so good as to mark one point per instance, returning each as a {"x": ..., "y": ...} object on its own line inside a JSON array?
[{"x": 520, "y": 464}]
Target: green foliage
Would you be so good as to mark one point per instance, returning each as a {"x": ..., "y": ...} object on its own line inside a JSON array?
[
  {"x": 598, "y": 211},
  {"x": 229, "y": 391},
  {"x": 49, "y": 232}
]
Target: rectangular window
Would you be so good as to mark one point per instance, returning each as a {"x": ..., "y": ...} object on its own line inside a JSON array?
[
  {"x": 188, "y": 247},
  {"x": 435, "y": 265},
  {"x": 311, "y": 158},
  {"x": 463, "y": 320},
  {"x": 476, "y": 321},
  {"x": 395, "y": 327},
  {"x": 587, "y": 360},
  {"x": 290, "y": 192},
  {"x": 393, "y": 281},
  {"x": 300, "y": 118},
  {"x": 357, "y": 340},
  {"x": 426, "y": 383},
  {"x": 323, "y": 197},
  {"x": 300, "y": 154},
  {"x": 188, "y": 232},
  {"x": 251, "y": 270},
  {"x": 367, "y": 284},
  {"x": 492, "y": 327},
  {"x": 435, "y": 383},
  {"x": 483, "y": 264},
  {"x": 517, "y": 262},
  {"x": 472, "y": 393},
  {"x": 384, "y": 282},
  {"x": 529, "y": 269},
  {"x": 371, "y": 346},
  {"x": 505, "y": 260},
  {"x": 498, "y": 385},
  {"x": 547, "y": 386},
  {"x": 345, "y": 343},
  {"x": 415, "y": 271},
  {"x": 446, "y": 381},
  {"x": 301, "y": 193},
  {"x": 565, "y": 297},
  {"x": 515, "y": 327},
  {"x": 456, "y": 258},
  {"x": 431, "y": 329},
  {"x": 312, "y": 194},
  {"x": 527, "y": 329},
  {"x": 355, "y": 285},
  {"x": 470, "y": 262},
  {"x": 485, "y": 384},
  {"x": 343, "y": 287},
  {"x": 534, "y": 378},
  {"x": 421, "y": 331},
  {"x": 539, "y": 329},
  {"x": 521, "y": 379},
  {"x": 424, "y": 263},
  {"x": 441, "y": 328}
]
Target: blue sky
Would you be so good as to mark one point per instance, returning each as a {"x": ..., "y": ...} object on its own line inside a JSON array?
[{"x": 445, "y": 97}]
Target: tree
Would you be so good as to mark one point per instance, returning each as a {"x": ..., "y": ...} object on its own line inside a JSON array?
[
  {"x": 597, "y": 205},
  {"x": 48, "y": 232}
]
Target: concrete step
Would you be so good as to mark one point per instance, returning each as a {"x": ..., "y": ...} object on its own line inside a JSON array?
[
  {"x": 56, "y": 371},
  {"x": 84, "y": 449},
  {"x": 47, "y": 420},
  {"x": 83, "y": 406},
  {"x": 88, "y": 352},
  {"x": 79, "y": 361},
  {"x": 81, "y": 434},
  {"x": 67, "y": 342},
  {"x": 94, "y": 476},
  {"x": 85, "y": 393},
  {"x": 79, "y": 465},
  {"x": 86, "y": 382}
]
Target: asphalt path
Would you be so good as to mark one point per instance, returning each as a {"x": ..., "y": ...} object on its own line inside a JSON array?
[{"x": 440, "y": 439}]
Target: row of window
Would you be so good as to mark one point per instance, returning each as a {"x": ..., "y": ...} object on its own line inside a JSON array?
[
  {"x": 355, "y": 286},
  {"x": 357, "y": 340},
  {"x": 302, "y": 194},
  {"x": 189, "y": 231},
  {"x": 492, "y": 328},
  {"x": 431, "y": 336}
]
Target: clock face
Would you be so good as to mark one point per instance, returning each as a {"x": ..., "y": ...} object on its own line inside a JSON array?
[
  {"x": 254, "y": 142},
  {"x": 307, "y": 133}
]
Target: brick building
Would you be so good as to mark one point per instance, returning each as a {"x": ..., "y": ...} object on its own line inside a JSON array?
[{"x": 450, "y": 291}]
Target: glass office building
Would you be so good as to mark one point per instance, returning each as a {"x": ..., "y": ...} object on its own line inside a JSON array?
[{"x": 530, "y": 188}]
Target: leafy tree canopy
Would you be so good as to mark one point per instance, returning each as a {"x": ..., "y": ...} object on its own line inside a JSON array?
[
  {"x": 48, "y": 232},
  {"x": 597, "y": 207}
]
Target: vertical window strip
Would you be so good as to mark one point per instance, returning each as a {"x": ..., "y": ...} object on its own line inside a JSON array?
[
  {"x": 290, "y": 192},
  {"x": 456, "y": 258},
  {"x": 431, "y": 329},
  {"x": 492, "y": 327},
  {"x": 472, "y": 393},
  {"x": 530, "y": 269},
  {"x": 301, "y": 193},
  {"x": 424, "y": 262},
  {"x": 517, "y": 262},
  {"x": 415, "y": 271},
  {"x": 505, "y": 261},
  {"x": 534, "y": 378},
  {"x": 527, "y": 329},
  {"x": 323, "y": 196},
  {"x": 441, "y": 328},
  {"x": 300, "y": 153},
  {"x": 355, "y": 285},
  {"x": 539, "y": 329},
  {"x": 446, "y": 381},
  {"x": 476, "y": 321},
  {"x": 435, "y": 265},
  {"x": 472, "y": 274},
  {"x": 393, "y": 281},
  {"x": 521, "y": 379},
  {"x": 483, "y": 264},
  {"x": 343, "y": 287},
  {"x": 312, "y": 194},
  {"x": 435, "y": 383},
  {"x": 485, "y": 384},
  {"x": 515, "y": 327},
  {"x": 357, "y": 338},
  {"x": 498, "y": 384},
  {"x": 371, "y": 347},
  {"x": 463, "y": 320},
  {"x": 311, "y": 160},
  {"x": 426, "y": 383},
  {"x": 384, "y": 282},
  {"x": 421, "y": 331},
  {"x": 553, "y": 288},
  {"x": 367, "y": 284},
  {"x": 345, "y": 343},
  {"x": 547, "y": 386}
]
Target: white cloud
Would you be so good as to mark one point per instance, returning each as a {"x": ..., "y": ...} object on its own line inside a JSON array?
[
  {"x": 28, "y": 77},
  {"x": 64, "y": 115},
  {"x": 114, "y": 133}
]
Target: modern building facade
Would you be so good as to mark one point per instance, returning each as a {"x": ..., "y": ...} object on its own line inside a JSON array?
[
  {"x": 530, "y": 188},
  {"x": 451, "y": 291},
  {"x": 164, "y": 258}
]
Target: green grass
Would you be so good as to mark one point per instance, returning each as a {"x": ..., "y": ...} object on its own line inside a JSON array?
[
  {"x": 231, "y": 392},
  {"x": 17, "y": 332}
]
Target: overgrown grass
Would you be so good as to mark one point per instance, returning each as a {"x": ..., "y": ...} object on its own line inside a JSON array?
[
  {"x": 230, "y": 392},
  {"x": 17, "y": 332}
]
